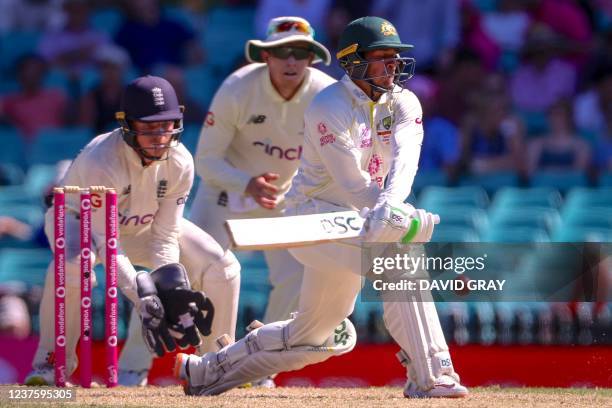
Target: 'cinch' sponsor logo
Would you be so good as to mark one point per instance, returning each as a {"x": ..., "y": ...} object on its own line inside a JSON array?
[{"x": 292, "y": 153}]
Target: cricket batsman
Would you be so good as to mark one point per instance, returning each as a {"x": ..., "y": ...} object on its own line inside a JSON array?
[
  {"x": 152, "y": 172},
  {"x": 362, "y": 144},
  {"x": 252, "y": 142}
]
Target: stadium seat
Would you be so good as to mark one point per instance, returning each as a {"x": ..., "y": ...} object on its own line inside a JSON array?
[
  {"x": 540, "y": 217},
  {"x": 107, "y": 20},
  {"x": 444, "y": 233},
  {"x": 491, "y": 181},
  {"x": 13, "y": 149},
  {"x": 572, "y": 233},
  {"x": 605, "y": 180},
  {"x": 222, "y": 24},
  {"x": 27, "y": 265},
  {"x": 53, "y": 145},
  {"x": 16, "y": 44},
  {"x": 203, "y": 81},
  {"x": 436, "y": 197},
  {"x": 11, "y": 174},
  {"x": 527, "y": 197},
  {"x": 515, "y": 234},
  {"x": 28, "y": 213},
  {"x": 474, "y": 218},
  {"x": 588, "y": 217},
  {"x": 38, "y": 178},
  {"x": 563, "y": 181},
  {"x": 190, "y": 138},
  {"x": 588, "y": 197},
  {"x": 16, "y": 195},
  {"x": 425, "y": 179}
]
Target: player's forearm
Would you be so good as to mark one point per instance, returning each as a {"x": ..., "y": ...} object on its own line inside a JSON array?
[{"x": 219, "y": 173}]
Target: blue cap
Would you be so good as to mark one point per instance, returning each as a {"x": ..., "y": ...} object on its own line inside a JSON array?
[{"x": 150, "y": 99}]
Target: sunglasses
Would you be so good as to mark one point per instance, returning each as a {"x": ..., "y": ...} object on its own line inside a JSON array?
[
  {"x": 285, "y": 52},
  {"x": 285, "y": 26}
]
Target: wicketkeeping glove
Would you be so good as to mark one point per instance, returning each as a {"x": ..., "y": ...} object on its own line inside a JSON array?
[
  {"x": 187, "y": 311},
  {"x": 154, "y": 328}
]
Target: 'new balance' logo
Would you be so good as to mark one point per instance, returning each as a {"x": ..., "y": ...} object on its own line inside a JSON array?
[{"x": 257, "y": 119}]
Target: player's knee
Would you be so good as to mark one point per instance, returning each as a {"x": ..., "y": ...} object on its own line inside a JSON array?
[
  {"x": 226, "y": 268},
  {"x": 314, "y": 331}
]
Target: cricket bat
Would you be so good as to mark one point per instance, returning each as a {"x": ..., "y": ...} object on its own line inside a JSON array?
[{"x": 299, "y": 230}]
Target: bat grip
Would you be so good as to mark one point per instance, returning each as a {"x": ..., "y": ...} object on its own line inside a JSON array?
[{"x": 414, "y": 228}]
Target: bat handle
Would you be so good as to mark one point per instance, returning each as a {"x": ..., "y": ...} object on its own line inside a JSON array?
[{"x": 414, "y": 229}]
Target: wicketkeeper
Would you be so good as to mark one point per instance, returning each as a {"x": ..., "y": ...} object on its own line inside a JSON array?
[
  {"x": 363, "y": 140},
  {"x": 152, "y": 172}
]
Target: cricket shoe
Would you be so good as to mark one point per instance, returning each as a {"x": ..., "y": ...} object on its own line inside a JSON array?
[
  {"x": 444, "y": 387},
  {"x": 186, "y": 364},
  {"x": 42, "y": 375},
  {"x": 133, "y": 378}
]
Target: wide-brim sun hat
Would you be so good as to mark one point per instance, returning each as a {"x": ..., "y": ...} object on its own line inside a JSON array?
[{"x": 286, "y": 30}]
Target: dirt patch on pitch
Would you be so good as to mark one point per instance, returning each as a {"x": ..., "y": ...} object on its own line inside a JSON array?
[{"x": 334, "y": 397}]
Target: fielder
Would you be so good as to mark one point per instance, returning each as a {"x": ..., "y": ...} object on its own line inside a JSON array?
[
  {"x": 252, "y": 141},
  {"x": 152, "y": 173},
  {"x": 363, "y": 140}
]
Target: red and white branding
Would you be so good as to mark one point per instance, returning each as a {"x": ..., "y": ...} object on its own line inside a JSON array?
[
  {"x": 365, "y": 135},
  {"x": 210, "y": 119},
  {"x": 375, "y": 164},
  {"x": 418, "y": 121},
  {"x": 322, "y": 128},
  {"x": 327, "y": 139}
]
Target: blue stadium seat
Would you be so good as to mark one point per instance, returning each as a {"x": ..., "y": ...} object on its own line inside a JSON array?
[
  {"x": 425, "y": 179},
  {"x": 474, "y": 218},
  {"x": 28, "y": 213},
  {"x": 563, "y": 181},
  {"x": 527, "y": 197},
  {"x": 16, "y": 44},
  {"x": 540, "y": 217},
  {"x": 589, "y": 197},
  {"x": 53, "y": 145},
  {"x": 26, "y": 265},
  {"x": 573, "y": 233},
  {"x": 11, "y": 174},
  {"x": 443, "y": 196},
  {"x": 13, "y": 147},
  {"x": 605, "y": 180},
  {"x": 491, "y": 181},
  {"x": 38, "y": 178},
  {"x": 225, "y": 23},
  {"x": 190, "y": 138},
  {"x": 515, "y": 234},
  {"x": 203, "y": 81},
  {"x": 599, "y": 217},
  {"x": 17, "y": 195},
  {"x": 107, "y": 20},
  {"x": 444, "y": 233}
]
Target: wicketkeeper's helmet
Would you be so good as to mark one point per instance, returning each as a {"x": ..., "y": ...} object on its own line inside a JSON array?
[{"x": 149, "y": 99}]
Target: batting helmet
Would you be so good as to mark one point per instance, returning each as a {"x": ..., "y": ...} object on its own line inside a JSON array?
[{"x": 369, "y": 34}]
